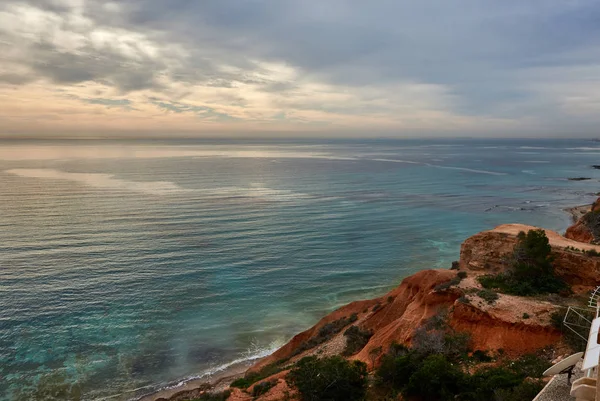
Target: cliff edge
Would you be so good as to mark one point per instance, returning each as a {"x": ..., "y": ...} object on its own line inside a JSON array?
[{"x": 494, "y": 322}]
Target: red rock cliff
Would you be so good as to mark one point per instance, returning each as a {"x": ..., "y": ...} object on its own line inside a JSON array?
[
  {"x": 581, "y": 231},
  {"x": 489, "y": 250}
]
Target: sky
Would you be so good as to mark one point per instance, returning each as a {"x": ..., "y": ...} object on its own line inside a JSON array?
[{"x": 381, "y": 68}]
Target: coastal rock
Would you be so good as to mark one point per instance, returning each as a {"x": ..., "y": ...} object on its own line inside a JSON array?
[
  {"x": 407, "y": 307},
  {"x": 399, "y": 313},
  {"x": 582, "y": 230},
  {"x": 517, "y": 325},
  {"x": 488, "y": 251},
  {"x": 501, "y": 326}
]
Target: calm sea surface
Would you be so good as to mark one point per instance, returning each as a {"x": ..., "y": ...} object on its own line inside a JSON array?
[{"x": 126, "y": 266}]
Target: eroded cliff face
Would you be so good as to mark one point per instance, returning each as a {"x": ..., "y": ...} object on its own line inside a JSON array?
[
  {"x": 581, "y": 230},
  {"x": 501, "y": 324},
  {"x": 407, "y": 307},
  {"x": 489, "y": 251}
]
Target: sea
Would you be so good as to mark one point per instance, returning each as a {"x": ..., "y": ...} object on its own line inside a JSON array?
[{"x": 127, "y": 266}]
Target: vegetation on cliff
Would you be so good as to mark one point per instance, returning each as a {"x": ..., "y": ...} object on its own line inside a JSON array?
[
  {"x": 438, "y": 372},
  {"x": 332, "y": 379},
  {"x": 530, "y": 271},
  {"x": 440, "y": 366}
]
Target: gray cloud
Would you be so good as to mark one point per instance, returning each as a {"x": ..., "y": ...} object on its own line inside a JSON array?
[
  {"x": 200, "y": 111},
  {"x": 487, "y": 54}
]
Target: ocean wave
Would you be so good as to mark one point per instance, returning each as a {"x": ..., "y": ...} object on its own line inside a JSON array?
[
  {"x": 75, "y": 152},
  {"x": 253, "y": 353},
  {"x": 471, "y": 170},
  {"x": 102, "y": 181},
  {"x": 110, "y": 182}
]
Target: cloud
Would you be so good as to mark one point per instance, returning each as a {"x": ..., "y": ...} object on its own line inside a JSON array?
[{"x": 401, "y": 67}]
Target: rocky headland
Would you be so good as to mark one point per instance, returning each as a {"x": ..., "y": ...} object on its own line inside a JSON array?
[{"x": 496, "y": 323}]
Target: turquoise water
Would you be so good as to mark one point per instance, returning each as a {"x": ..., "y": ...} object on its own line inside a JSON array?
[{"x": 127, "y": 266}]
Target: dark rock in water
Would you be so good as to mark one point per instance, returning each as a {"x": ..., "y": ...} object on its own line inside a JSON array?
[
  {"x": 578, "y": 178},
  {"x": 596, "y": 166}
]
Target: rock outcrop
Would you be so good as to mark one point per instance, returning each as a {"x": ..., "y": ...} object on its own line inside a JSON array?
[
  {"x": 489, "y": 251},
  {"x": 582, "y": 230},
  {"x": 517, "y": 325}
]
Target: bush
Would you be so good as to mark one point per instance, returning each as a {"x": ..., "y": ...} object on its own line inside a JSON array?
[
  {"x": 481, "y": 356},
  {"x": 464, "y": 300},
  {"x": 573, "y": 340},
  {"x": 488, "y": 295},
  {"x": 356, "y": 339},
  {"x": 592, "y": 252},
  {"x": 483, "y": 384},
  {"x": 526, "y": 391},
  {"x": 263, "y": 388},
  {"x": 326, "y": 333},
  {"x": 376, "y": 307},
  {"x": 457, "y": 345},
  {"x": 526, "y": 316},
  {"x": 395, "y": 370},
  {"x": 530, "y": 365},
  {"x": 223, "y": 396},
  {"x": 531, "y": 271},
  {"x": 436, "y": 379},
  {"x": 252, "y": 377},
  {"x": 451, "y": 283},
  {"x": 333, "y": 379}
]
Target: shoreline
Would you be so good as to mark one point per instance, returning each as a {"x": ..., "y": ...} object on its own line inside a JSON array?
[
  {"x": 192, "y": 388},
  {"x": 577, "y": 212},
  {"x": 221, "y": 380}
]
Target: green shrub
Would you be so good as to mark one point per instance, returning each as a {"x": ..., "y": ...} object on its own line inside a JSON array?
[
  {"x": 326, "y": 333},
  {"x": 481, "y": 356},
  {"x": 526, "y": 391},
  {"x": 332, "y": 379},
  {"x": 223, "y": 396},
  {"x": 557, "y": 317},
  {"x": 464, "y": 300},
  {"x": 592, "y": 252},
  {"x": 488, "y": 295},
  {"x": 526, "y": 316},
  {"x": 390, "y": 299},
  {"x": 263, "y": 388},
  {"x": 435, "y": 337},
  {"x": 573, "y": 340},
  {"x": 376, "y": 307},
  {"x": 483, "y": 384},
  {"x": 436, "y": 379},
  {"x": 531, "y": 270},
  {"x": 450, "y": 283},
  {"x": 457, "y": 345},
  {"x": 252, "y": 377},
  {"x": 356, "y": 339},
  {"x": 395, "y": 371},
  {"x": 530, "y": 365}
]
